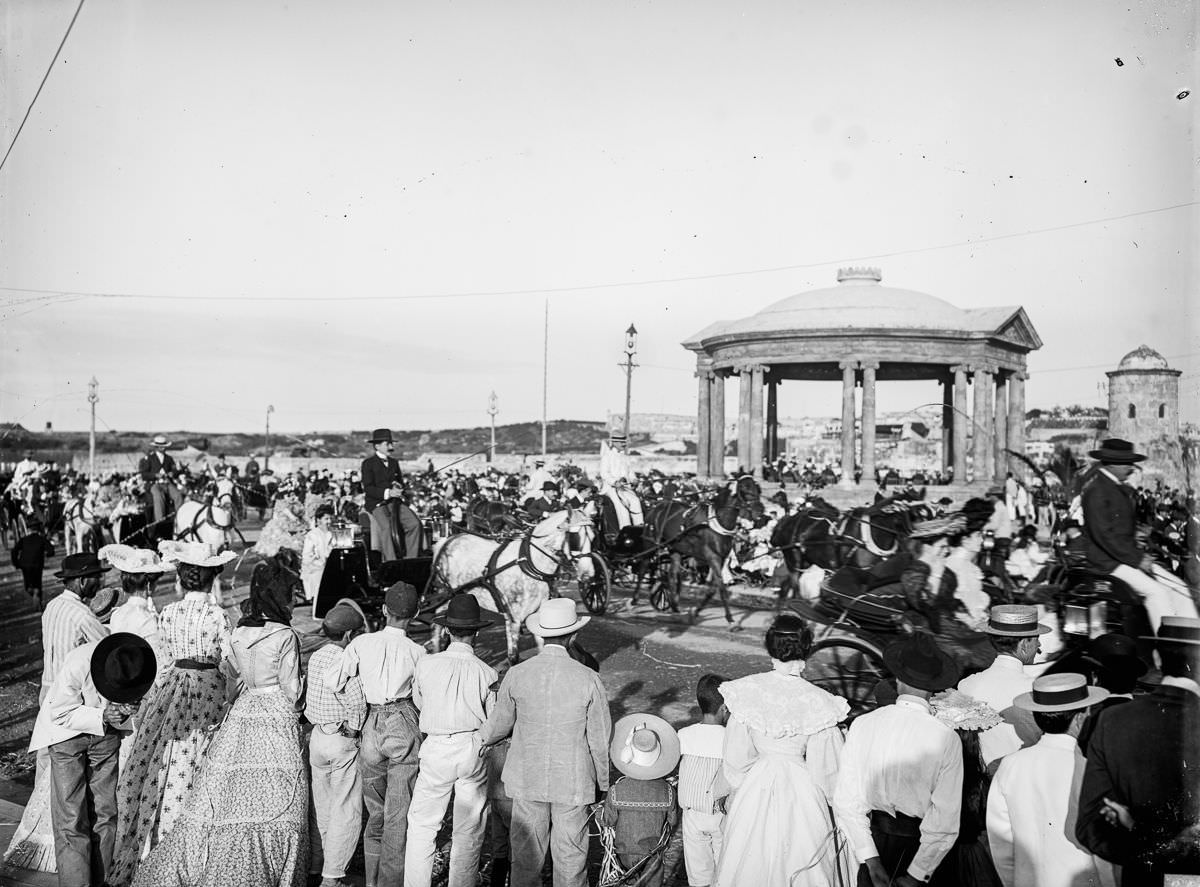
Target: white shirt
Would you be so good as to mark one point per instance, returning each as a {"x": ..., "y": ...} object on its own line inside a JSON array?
[
  {"x": 136, "y": 615},
  {"x": 998, "y": 685},
  {"x": 73, "y": 705},
  {"x": 453, "y": 690},
  {"x": 901, "y": 759},
  {"x": 385, "y": 660},
  {"x": 1031, "y": 812}
]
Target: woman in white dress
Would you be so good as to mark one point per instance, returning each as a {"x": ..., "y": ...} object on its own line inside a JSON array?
[
  {"x": 318, "y": 544},
  {"x": 782, "y": 748}
]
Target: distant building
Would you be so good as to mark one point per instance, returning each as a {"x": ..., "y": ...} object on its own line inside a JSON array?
[{"x": 1143, "y": 398}]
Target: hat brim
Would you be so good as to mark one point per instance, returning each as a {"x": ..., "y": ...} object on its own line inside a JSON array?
[
  {"x": 1022, "y": 633},
  {"x": 1180, "y": 642},
  {"x": 668, "y": 743},
  {"x": 462, "y": 626},
  {"x": 1116, "y": 458},
  {"x": 135, "y": 690},
  {"x": 82, "y": 574},
  {"x": 535, "y": 627},
  {"x": 945, "y": 678},
  {"x": 1094, "y": 695}
]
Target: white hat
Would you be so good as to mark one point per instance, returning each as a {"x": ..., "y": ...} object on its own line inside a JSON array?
[
  {"x": 1060, "y": 692},
  {"x": 556, "y": 617},
  {"x": 160, "y": 441},
  {"x": 128, "y": 559},
  {"x": 199, "y": 554}
]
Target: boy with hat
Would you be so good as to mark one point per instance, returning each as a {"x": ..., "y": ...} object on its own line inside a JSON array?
[
  {"x": 29, "y": 556},
  {"x": 80, "y": 722},
  {"x": 1034, "y": 796},
  {"x": 640, "y": 807},
  {"x": 1015, "y": 633},
  {"x": 899, "y": 789},
  {"x": 68, "y": 621},
  {"x": 455, "y": 692},
  {"x": 386, "y": 662}
]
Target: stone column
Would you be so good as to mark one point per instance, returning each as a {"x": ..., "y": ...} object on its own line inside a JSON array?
[
  {"x": 960, "y": 419},
  {"x": 981, "y": 427},
  {"x": 868, "y": 424},
  {"x": 848, "y": 368},
  {"x": 703, "y": 421},
  {"x": 746, "y": 379},
  {"x": 947, "y": 423},
  {"x": 773, "y": 420},
  {"x": 716, "y": 427},
  {"x": 756, "y": 419},
  {"x": 1016, "y": 423},
  {"x": 1000, "y": 426}
]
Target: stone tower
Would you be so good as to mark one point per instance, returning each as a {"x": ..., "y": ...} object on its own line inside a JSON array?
[{"x": 1143, "y": 398}]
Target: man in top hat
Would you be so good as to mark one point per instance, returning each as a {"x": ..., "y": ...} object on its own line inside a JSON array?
[
  {"x": 1034, "y": 798},
  {"x": 899, "y": 787},
  {"x": 1110, "y": 529},
  {"x": 556, "y": 711},
  {"x": 337, "y": 719},
  {"x": 381, "y": 483},
  {"x": 455, "y": 692},
  {"x": 386, "y": 662},
  {"x": 1116, "y": 667},
  {"x": 1139, "y": 804},
  {"x": 68, "y": 621},
  {"x": 158, "y": 469},
  {"x": 1015, "y": 634},
  {"x": 80, "y": 723}
]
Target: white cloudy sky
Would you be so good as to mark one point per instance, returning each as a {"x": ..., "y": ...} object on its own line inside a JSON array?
[{"x": 356, "y": 211}]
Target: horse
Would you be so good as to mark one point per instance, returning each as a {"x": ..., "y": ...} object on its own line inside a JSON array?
[
  {"x": 874, "y": 532},
  {"x": 512, "y": 577},
  {"x": 489, "y": 517},
  {"x": 208, "y": 521},
  {"x": 810, "y": 537},
  {"x": 704, "y": 532},
  {"x": 83, "y": 525}
]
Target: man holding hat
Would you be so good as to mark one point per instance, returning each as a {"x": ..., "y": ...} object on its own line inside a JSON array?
[
  {"x": 557, "y": 713},
  {"x": 81, "y": 722},
  {"x": 899, "y": 788},
  {"x": 1140, "y": 801},
  {"x": 386, "y": 661},
  {"x": 1015, "y": 634},
  {"x": 1110, "y": 529},
  {"x": 455, "y": 692},
  {"x": 68, "y": 621},
  {"x": 1034, "y": 797},
  {"x": 381, "y": 483},
  {"x": 157, "y": 469}
]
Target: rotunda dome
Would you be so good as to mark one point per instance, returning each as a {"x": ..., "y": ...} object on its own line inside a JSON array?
[{"x": 1143, "y": 358}]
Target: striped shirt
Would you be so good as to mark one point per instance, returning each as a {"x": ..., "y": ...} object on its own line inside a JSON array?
[
  {"x": 67, "y": 622},
  {"x": 329, "y": 708},
  {"x": 453, "y": 690},
  {"x": 700, "y": 747}
]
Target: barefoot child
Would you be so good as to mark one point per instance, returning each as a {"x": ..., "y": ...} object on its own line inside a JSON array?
[{"x": 702, "y": 788}]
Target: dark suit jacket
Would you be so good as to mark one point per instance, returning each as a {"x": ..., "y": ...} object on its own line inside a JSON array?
[
  {"x": 1110, "y": 523},
  {"x": 377, "y": 476},
  {"x": 1089, "y": 725},
  {"x": 149, "y": 467},
  {"x": 31, "y": 551},
  {"x": 1145, "y": 754},
  {"x": 540, "y": 507}
]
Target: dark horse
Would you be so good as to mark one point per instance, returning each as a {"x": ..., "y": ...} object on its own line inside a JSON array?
[
  {"x": 489, "y": 517},
  {"x": 704, "y": 532}
]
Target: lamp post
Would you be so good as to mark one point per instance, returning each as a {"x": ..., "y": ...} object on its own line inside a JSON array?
[
  {"x": 267, "y": 442},
  {"x": 630, "y": 351},
  {"x": 93, "y": 396},
  {"x": 492, "y": 410}
]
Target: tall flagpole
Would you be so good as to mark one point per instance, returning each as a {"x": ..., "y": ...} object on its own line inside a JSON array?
[{"x": 545, "y": 372}]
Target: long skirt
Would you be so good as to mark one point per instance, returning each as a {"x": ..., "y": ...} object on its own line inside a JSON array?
[
  {"x": 246, "y": 820},
  {"x": 175, "y": 728},
  {"x": 32, "y": 845}
]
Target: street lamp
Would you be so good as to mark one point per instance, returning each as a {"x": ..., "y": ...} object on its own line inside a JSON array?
[
  {"x": 267, "y": 442},
  {"x": 630, "y": 351},
  {"x": 93, "y": 396},
  {"x": 492, "y": 410}
]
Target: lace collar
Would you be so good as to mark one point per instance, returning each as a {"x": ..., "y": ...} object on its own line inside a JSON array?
[{"x": 782, "y": 704}]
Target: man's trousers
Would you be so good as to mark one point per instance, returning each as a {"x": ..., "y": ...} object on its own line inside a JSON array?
[
  {"x": 447, "y": 763},
  {"x": 337, "y": 800},
  {"x": 701, "y": 845},
  {"x": 561, "y": 828},
  {"x": 83, "y": 807},
  {"x": 160, "y": 495},
  {"x": 381, "y": 532},
  {"x": 388, "y": 762},
  {"x": 1159, "y": 598}
]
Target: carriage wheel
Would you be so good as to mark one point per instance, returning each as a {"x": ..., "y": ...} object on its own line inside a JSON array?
[
  {"x": 848, "y": 667},
  {"x": 594, "y": 588}
]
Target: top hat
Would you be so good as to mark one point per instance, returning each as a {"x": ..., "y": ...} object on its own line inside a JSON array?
[
  {"x": 160, "y": 441},
  {"x": 1116, "y": 653},
  {"x": 80, "y": 566},
  {"x": 1178, "y": 630},
  {"x": 918, "y": 661},
  {"x": 556, "y": 617},
  {"x": 1060, "y": 692},
  {"x": 1115, "y": 451},
  {"x": 381, "y": 435},
  {"x": 1014, "y": 621},
  {"x": 123, "y": 667},
  {"x": 644, "y": 746},
  {"x": 463, "y": 614},
  {"x": 128, "y": 559}
]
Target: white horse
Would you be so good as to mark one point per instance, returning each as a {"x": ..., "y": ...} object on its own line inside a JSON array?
[
  {"x": 208, "y": 522},
  {"x": 83, "y": 524},
  {"x": 520, "y": 570}
]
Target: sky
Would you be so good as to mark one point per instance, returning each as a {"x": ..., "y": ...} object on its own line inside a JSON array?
[{"x": 361, "y": 213}]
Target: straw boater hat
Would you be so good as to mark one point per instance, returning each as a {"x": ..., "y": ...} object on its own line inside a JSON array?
[
  {"x": 198, "y": 554},
  {"x": 556, "y": 617},
  {"x": 1180, "y": 630},
  {"x": 644, "y": 746},
  {"x": 160, "y": 441},
  {"x": 80, "y": 566},
  {"x": 123, "y": 667},
  {"x": 1115, "y": 451},
  {"x": 381, "y": 435},
  {"x": 128, "y": 559},
  {"x": 950, "y": 525},
  {"x": 918, "y": 661},
  {"x": 1014, "y": 621},
  {"x": 1060, "y": 692}
]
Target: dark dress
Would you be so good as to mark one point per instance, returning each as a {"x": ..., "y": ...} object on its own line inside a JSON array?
[
  {"x": 969, "y": 862},
  {"x": 29, "y": 556},
  {"x": 637, "y": 810}
]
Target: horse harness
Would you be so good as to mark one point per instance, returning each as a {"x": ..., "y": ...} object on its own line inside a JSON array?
[{"x": 524, "y": 561}]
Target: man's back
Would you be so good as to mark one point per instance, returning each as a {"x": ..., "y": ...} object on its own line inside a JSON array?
[
  {"x": 1109, "y": 524},
  {"x": 998, "y": 685},
  {"x": 67, "y": 622}
]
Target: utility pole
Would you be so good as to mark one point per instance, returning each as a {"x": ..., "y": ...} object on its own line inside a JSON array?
[
  {"x": 545, "y": 373},
  {"x": 267, "y": 444},
  {"x": 630, "y": 351},
  {"x": 492, "y": 410},
  {"x": 93, "y": 396}
]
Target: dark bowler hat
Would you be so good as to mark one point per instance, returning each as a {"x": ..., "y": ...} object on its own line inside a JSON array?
[
  {"x": 381, "y": 435},
  {"x": 79, "y": 566},
  {"x": 463, "y": 614},
  {"x": 402, "y": 601},
  {"x": 918, "y": 661},
  {"x": 1117, "y": 654},
  {"x": 549, "y": 485},
  {"x": 1115, "y": 451},
  {"x": 1014, "y": 621},
  {"x": 123, "y": 667}
]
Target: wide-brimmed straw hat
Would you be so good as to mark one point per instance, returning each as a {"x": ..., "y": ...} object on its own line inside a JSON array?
[
  {"x": 1179, "y": 630},
  {"x": 123, "y": 667},
  {"x": 918, "y": 661},
  {"x": 556, "y": 617},
  {"x": 1060, "y": 692},
  {"x": 381, "y": 435},
  {"x": 103, "y": 602},
  {"x": 160, "y": 441},
  {"x": 644, "y": 746},
  {"x": 198, "y": 554},
  {"x": 80, "y": 566},
  {"x": 128, "y": 559},
  {"x": 1014, "y": 621},
  {"x": 463, "y": 614},
  {"x": 1115, "y": 451}
]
